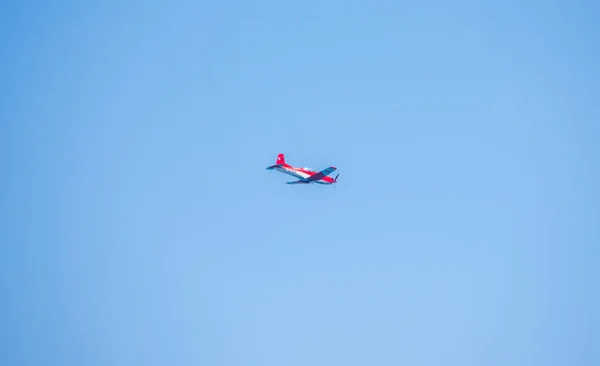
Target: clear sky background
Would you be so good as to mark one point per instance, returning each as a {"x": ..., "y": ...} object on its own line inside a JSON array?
[{"x": 140, "y": 227}]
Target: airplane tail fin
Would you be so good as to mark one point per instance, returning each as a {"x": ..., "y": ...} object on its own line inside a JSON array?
[
  {"x": 279, "y": 163},
  {"x": 280, "y": 159}
]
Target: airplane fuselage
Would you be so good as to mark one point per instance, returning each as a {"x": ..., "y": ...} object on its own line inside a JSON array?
[{"x": 300, "y": 173}]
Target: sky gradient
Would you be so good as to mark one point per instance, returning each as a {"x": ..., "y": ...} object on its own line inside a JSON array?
[{"x": 140, "y": 227}]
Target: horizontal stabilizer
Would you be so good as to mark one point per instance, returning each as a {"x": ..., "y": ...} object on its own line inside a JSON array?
[
  {"x": 274, "y": 166},
  {"x": 297, "y": 182}
]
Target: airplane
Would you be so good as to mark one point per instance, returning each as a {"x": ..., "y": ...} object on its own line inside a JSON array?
[{"x": 304, "y": 175}]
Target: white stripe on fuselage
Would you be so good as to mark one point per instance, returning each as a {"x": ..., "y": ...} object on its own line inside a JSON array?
[{"x": 293, "y": 173}]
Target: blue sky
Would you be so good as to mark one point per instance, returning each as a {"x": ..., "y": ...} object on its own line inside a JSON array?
[{"x": 139, "y": 225}]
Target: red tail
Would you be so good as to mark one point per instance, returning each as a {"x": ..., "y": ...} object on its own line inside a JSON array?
[{"x": 280, "y": 159}]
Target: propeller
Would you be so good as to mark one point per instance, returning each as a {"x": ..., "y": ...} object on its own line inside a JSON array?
[{"x": 336, "y": 177}]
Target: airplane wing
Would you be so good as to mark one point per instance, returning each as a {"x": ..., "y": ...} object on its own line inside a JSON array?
[
  {"x": 322, "y": 174},
  {"x": 297, "y": 182}
]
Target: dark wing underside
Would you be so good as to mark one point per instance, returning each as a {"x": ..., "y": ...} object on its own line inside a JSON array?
[{"x": 322, "y": 174}]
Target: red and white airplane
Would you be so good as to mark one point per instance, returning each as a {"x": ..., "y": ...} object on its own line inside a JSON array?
[{"x": 305, "y": 175}]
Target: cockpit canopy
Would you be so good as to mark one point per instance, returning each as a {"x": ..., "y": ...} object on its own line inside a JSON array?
[{"x": 308, "y": 169}]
